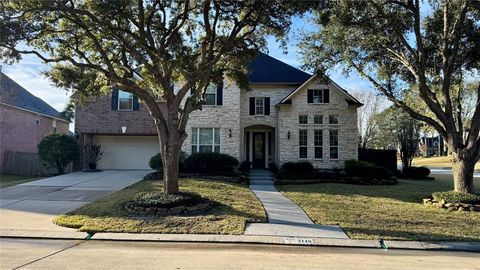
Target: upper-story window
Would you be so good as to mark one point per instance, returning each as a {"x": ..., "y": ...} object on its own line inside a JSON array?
[
  {"x": 303, "y": 119},
  {"x": 333, "y": 119},
  {"x": 259, "y": 106},
  {"x": 318, "y": 96},
  {"x": 210, "y": 97},
  {"x": 125, "y": 101},
  {"x": 318, "y": 119}
]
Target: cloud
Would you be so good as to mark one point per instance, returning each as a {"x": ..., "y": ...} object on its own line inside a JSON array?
[{"x": 27, "y": 73}]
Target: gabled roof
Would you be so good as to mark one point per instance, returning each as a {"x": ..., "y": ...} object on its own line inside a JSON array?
[
  {"x": 11, "y": 93},
  {"x": 266, "y": 69},
  {"x": 349, "y": 98}
]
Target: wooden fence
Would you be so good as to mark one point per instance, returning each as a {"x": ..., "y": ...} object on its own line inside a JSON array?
[{"x": 28, "y": 164}]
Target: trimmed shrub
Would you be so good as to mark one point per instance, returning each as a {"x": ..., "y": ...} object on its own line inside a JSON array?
[
  {"x": 296, "y": 170},
  {"x": 364, "y": 169},
  {"x": 163, "y": 200},
  {"x": 272, "y": 166},
  {"x": 245, "y": 166},
  {"x": 210, "y": 163},
  {"x": 156, "y": 162},
  {"x": 416, "y": 172},
  {"x": 456, "y": 197},
  {"x": 58, "y": 150}
]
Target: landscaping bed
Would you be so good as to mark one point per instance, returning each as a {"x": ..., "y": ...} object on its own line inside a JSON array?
[
  {"x": 386, "y": 212},
  {"x": 230, "y": 207}
]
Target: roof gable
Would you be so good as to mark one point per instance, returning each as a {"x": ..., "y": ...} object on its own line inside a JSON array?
[
  {"x": 266, "y": 69},
  {"x": 13, "y": 94},
  {"x": 349, "y": 98}
]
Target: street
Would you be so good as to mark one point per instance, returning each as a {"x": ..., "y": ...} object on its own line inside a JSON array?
[{"x": 67, "y": 254}]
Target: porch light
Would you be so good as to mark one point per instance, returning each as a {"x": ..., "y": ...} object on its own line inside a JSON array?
[
  {"x": 288, "y": 135},
  {"x": 230, "y": 133},
  {"x": 124, "y": 129}
]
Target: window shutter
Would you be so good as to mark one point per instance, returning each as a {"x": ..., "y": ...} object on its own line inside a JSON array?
[
  {"x": 136, "y": 106},
  {"x": 326, "y": 95},
  {"x": 267, "y": 105},
  {"x": 252, "y": 106},
  {"x": 115, "y": 99},
  {"x": 310, "y": 96},
  {"x": 220, "y": 94}
]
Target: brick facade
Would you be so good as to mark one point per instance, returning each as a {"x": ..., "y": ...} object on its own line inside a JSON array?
[{"x": 22, "y": 130}]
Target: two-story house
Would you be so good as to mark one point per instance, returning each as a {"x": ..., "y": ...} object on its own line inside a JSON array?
[{"x": 288, "y": 115}]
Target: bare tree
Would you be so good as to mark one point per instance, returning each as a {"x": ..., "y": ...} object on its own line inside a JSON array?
[{"x": 373, "y": 103}]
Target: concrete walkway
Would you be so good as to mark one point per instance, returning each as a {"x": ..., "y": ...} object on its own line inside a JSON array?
[
  {"x": 33, "y": 205},
  {"x": 284, "y": 216}
]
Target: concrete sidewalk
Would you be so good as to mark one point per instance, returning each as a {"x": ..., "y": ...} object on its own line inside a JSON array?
[
  {"x": 285, "y": 218},
  {"x": 33, "y": 205},
  {"x": 243, "y": 239}
]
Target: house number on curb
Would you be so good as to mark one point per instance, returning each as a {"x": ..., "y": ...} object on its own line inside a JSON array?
[{"x": 298, "y": 241}]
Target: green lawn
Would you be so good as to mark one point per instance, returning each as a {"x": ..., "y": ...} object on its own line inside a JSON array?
[
  {"x": 436, "y": 162},
  {"x": 7, "y": 180},
  {"x": 236, "y": 206},
  {"x": 386, "y": 212}
]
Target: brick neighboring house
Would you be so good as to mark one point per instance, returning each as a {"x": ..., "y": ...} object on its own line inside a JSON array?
[
  {"x": 24, "y": 119},
  {"x": 289, "y": 115}
]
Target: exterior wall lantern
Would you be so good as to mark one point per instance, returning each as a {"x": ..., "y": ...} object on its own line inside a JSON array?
[
  {"x": 124, "y": 129},
  {"x": 230, "y": 133},
  {"x": 288, "y": 135}
]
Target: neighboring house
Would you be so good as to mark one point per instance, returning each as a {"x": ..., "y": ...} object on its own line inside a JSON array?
[
  {"x": 289, "y": 115},
  {"x": 24, "y": 119}
]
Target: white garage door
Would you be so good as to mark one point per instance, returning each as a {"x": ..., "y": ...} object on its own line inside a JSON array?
[{"x": 126, "y": 152}]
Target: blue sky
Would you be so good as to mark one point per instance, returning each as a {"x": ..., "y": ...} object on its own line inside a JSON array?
[{"x": 27, "y": 72}]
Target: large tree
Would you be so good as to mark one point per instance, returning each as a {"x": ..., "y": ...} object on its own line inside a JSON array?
[
  {"x": 400, "y": 45},
  {"x": 144, "y": 47}
]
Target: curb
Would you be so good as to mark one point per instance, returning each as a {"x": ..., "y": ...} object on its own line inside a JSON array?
[{"x": 246, "y": 239}]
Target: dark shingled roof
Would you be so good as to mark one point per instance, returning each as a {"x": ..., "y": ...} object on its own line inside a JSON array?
[
  {"x": 12, "y": 93},
  {"x": 266, "y": 69}
]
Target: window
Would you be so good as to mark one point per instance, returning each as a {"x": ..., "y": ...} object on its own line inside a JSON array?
[
  {"x": 333, "y": 119},
  {"x": 303, "y": 119},
  {"x": 210, "y": 97},
  {"x": 205, "y": 140},
  {"x": 318, "y": 119},
  {"x": 259, "y": 106},
  {"x": 318, "y": 96},
  {"x": 302, "y": 143},
  {"x": 54, "y": 126},
  {"x": 318, "y": 143},
  {"x": 125, "y": 101},
  {"x": 333, "y": 144}
]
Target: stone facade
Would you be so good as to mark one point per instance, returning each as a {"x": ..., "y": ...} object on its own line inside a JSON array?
[
  {"x": 234, "y": 121},
  {"x": 226, "y": 117},
  {"x": 347, "y": 127}
]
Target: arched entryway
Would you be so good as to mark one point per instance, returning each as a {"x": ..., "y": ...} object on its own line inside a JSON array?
[{"x": 260, "y": 145}]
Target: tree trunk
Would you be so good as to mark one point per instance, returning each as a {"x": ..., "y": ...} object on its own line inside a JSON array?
[
  {"x": 170, "y": 170},
  {"x": 463, "y": 170},
  {"x": 170, "y": 149}
]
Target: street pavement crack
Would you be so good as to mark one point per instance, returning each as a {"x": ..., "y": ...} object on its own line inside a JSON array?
[{"x": 49, "y": 255}]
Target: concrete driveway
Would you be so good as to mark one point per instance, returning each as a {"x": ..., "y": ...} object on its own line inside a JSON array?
[{"x": 33, "y": 205}]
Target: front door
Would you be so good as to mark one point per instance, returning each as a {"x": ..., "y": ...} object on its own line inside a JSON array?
[{"x": 258, "y": 150}]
